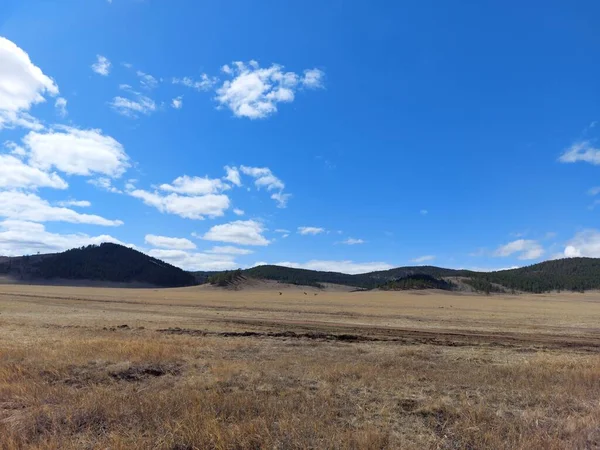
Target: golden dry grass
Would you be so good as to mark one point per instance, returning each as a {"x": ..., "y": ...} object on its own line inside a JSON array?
[{"x": 258, "y": 370}]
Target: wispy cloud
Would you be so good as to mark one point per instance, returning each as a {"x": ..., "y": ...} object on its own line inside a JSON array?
[
  {"x": 422, "y": 259},
  {"x": 310, "y": 230},
  {"x": 526, "y": 249}
]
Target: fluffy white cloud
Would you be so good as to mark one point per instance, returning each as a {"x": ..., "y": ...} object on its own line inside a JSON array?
[
  {"x": 238, "y": 212},
  {"x": 195, "y": 185},
  {"x": 76, "y": 152},
  {"x": 19, "y": 237},
  {"x": 264, "y": 178},
  {"x": 205, "y": 83},
  {"x": 350, "y": 267},
  {"x": 29, "y": 207},
  {"x": 177, "y": 102},
  {"x": 14, "y": 173},
  {"x": 61, "y": 107},
  {"x": 132, "y": 108},
  {"x": 422, "y": 259},
  {"x": 22, "y": 84},
  {"x": 195, "y": 260},
  {"x": 310, "y": 230},
  {"x": 76, "y": 203},
  {"x": 581, "y": 151},
  {"x": 352, "y": 241},
  {"x": 584, "y": 243},
  {"x": 146, "y": 80},
  {"x": 102, "y": 65},
  {"x": 527, "y": 249},
  {"x": 233, "y": 175},
  {"x": 313, "y": 78},
  {"x": 241, "y": 232},
  {"x": 169, "y": 242},
  {"x": 188, "y": 207},
  {"x": 254, "y": 92},
  {"x": 229, "y": 250}
]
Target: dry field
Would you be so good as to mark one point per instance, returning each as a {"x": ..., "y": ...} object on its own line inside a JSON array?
[{"x": 200, "y": 368}]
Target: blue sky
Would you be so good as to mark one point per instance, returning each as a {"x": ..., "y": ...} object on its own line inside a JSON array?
[{"x": 333, "y": 135}]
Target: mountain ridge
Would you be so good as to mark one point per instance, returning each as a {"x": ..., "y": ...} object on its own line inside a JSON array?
[{"x": 116, "y": 263}]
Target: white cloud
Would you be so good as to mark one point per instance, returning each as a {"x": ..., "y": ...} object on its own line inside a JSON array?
[
  {"x": 350, "y": 267},
  {"x": 310, "y": 230},
  {"x": 76, "y": 203},
  {"x": 61, "y": 107},
  {"x": 169, "y": 242},
  {"x": 15, "y": 149},
  {"x": 177, "y": 102},
  {"x": 230, "y": 250},
  {"x": 263, "y": 177},
  {"x": 585, "y": 243},
  {"x": 29, "y": 207},
  {"x": 205, "y": 83},
  {"x": 238, "y": 212},
  {"x": 105, "y": 184},
  {"x": 241, "y": 232},
  {"x": 422, "y": 259},
  {"x": 102, "y": 65},
  {"x": 254, "y": 92},
  {"x": 282, "y": 230},
  {"x": 527, "y": 249},
  {"x": 141, "y": 104},
  {"x": 22, "y": 85},
  {"x": 281, "y": 199},
  {"x": 313, "y": 78},
  {"x": 19, "y": 237},
  {"x": 188, "y": 207},
  {"x": 352, "y": 241},
  {"x": 14, "y": 173},
  {"x": 233, "y": 175},
  {"x": 146, "y": 80},
  {"x": 76, "y": 152},
  {"x": 581, "y": 151},
  {"x": 195, "y": 260},
  {"x": 195, "y": 185}
]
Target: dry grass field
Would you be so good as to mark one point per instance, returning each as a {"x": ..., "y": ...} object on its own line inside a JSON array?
[{"x": 200, "y": 368}]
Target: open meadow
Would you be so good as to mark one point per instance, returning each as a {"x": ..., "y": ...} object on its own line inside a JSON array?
[{"x": 204, "y": 368}]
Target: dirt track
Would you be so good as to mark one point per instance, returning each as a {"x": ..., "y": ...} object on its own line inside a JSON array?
[{"x": 531, "y": 322}]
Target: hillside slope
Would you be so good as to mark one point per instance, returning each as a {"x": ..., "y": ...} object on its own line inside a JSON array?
[
  {"x": 106, "y": 262},
  {"x": 573, "y": 274}
]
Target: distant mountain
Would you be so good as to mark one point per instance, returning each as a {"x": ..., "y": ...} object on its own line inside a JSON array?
[{"x": 106, "y": 263}]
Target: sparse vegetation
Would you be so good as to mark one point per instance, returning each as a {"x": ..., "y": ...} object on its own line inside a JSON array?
[
  {"x": 127, "y": 369},
  {"x": 227, "y": 278}
]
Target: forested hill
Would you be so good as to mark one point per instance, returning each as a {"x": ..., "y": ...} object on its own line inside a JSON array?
[
  {"x": 106, "y": 262},
  {"x": 116, "y": 263},
  {"x": 572, "y": 274}
]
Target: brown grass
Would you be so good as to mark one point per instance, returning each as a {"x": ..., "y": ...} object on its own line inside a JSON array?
[{"x": 73, "y": 377}]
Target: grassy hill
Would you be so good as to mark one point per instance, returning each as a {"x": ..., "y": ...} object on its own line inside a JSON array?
[{"x": 106, "y": 262}]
